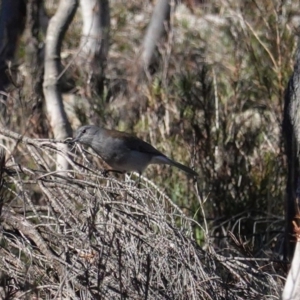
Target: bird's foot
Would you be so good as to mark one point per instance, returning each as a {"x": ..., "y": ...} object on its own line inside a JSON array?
[{"x": 106, "y": 172}]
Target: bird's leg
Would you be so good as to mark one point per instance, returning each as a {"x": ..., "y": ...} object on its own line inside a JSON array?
[
  {"x": 139, "y": 181},
  {"x": 105, "y": 172}
]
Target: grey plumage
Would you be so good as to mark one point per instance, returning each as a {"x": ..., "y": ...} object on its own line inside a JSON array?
[{"x": 122, "y": 151}]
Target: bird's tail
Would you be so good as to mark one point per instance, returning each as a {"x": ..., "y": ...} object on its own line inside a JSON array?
[
  {"x": 183, "y": 167},
  {"x": 162, "y": 159}
]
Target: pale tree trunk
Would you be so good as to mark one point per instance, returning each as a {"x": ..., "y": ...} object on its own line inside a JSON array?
[
  {"x": 94, "y": 43},
  {"x": 56, "y": 113},
  {"x": 291, "y": 289},
  {"x": 157, "y": 28},
  {"x": 291, "y": 130}
]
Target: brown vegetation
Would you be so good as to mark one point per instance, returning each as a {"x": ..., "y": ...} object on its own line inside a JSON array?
[{"x": 213, "y": 99}]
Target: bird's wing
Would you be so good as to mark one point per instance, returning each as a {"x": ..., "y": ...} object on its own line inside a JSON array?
[
  {"x": 142, "y": 146},
  {"x": 134, "y": 143}
]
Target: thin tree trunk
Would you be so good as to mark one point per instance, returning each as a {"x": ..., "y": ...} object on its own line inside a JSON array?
[
  {"x": 33, "y": 57},
  {"x": 12, "y": 23},
  {"x": 158, "y": 26},
  {"x": 34, "y": 65},
  {"x": 94, "y": 43},
  {"x": 291, "y": 131},
  {"x": 56, "y": 113},
  {"x": 291, "y": 289}
]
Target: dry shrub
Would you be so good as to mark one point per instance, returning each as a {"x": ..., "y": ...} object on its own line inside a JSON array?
[{"x": 83, "y": 235}]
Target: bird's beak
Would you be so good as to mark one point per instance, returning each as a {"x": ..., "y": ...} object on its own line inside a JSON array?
[
  {"x": 71, "y": 141},
  {"x": 74, "y": 140}
]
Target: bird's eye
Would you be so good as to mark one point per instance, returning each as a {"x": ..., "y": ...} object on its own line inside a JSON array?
[{"x": 83, "y": 131}]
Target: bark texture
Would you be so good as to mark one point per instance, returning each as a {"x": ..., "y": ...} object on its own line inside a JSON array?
[
  {"x": 291, "y": 132},
  {"x": 33, "y": 57},
  {"x": 158, "y": 26},
  {"x": 12, "y": 23},
  {"x": 56, "y": 113},
  {"x": 94, "y": 43},
  {"x": 291, "y": 289}
]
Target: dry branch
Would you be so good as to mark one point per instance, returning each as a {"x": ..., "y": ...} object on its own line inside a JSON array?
[{"x": 87, "y": 234}]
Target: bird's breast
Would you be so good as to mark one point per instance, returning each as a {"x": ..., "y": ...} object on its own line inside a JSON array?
[{"x": 129, "y": 161}]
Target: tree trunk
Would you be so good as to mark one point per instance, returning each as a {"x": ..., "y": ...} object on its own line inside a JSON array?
[
  {"x": 56, "y": 113},
  {"x": 291, "y": 289},
  {"x": 158, "y": 26},
  {"x": 291, "y": 131},
  {"x": 94, "y": 43},
  {"x": 12, "y": 23},
  {"x": 33, "y": 56},
  {"x": 34, "y": 66}
]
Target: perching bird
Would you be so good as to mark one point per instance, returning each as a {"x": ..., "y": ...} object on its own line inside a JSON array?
[{"x": 122, "y": 151}]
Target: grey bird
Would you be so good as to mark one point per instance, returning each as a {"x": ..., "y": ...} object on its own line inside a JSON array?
[{"x": 122, "y": 151}]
